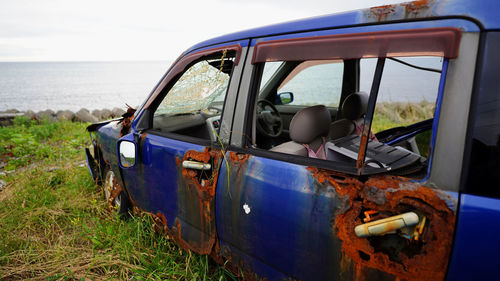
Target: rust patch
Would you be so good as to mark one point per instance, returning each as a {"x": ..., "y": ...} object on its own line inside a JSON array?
[
  {"x": 197, "y": 196},
  {"x": 175, "y": 234},
  {"x": 126, "y": 122},
  {"x": 238, "y": 157},
  {"x": 114, "y": 192},
  {"x": 418, "y": 8},
  {"x": 343, "y": 185},
  {"x": 382, "y": 12},
  {"x": 205, "y": 183},
  {"x": 412, "y": 9},
  {"x": 160, "y": 223},
  {"x": 424, "y": 258}
]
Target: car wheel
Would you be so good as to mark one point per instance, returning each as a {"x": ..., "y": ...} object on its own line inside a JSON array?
[{"x": 114, "y": 194}]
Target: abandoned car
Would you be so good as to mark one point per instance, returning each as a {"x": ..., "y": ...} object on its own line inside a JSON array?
[{"x": 356, "y": 146}]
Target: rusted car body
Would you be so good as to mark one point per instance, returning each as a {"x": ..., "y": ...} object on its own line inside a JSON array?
[{"x": 215, "y": 154}]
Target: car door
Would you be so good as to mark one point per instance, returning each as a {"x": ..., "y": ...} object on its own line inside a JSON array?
[
  {"x": 176, "y": 133},
  {"x": 287, "y": 216}
]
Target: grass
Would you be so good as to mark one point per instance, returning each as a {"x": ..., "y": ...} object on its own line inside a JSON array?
[
  {"x": 388, "y": 115},
  {"x": 55, "y": 225}
]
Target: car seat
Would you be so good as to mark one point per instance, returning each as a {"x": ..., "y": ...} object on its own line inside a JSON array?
[
  {"x": 308, "y": 130},
  {"x": 353, "y": 111}
]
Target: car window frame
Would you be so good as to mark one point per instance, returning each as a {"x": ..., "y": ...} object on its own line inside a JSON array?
[
  {"x": 144, "y": 121},
  {"x": 449, "y": 50}
]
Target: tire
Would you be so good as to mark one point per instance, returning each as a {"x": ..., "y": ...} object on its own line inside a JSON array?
[{"x": 121, "y": 203}]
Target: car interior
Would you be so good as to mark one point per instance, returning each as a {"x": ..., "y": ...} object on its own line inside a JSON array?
[{"x": 333, "y": 133}]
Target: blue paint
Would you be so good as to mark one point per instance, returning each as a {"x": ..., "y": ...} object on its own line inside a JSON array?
[
  {"x": 153, "y": 183},
  {"x": 484, "y": 12},
  {"x": 288, "y": 224},
  {"x": 475, "y": 253},
  {"x": 464, "y": 25}
]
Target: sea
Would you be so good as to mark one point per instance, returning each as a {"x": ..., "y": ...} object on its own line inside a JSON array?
[
  {"x": 74, "y": 85},
  {"x": 96, "y": 85}
]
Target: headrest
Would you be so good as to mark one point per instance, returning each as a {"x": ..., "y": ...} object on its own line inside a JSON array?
[
  {"x": 309, "y": 123},
  {"x": 354, "y": 106}
]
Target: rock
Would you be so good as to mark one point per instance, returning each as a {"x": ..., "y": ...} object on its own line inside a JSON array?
[
  {"x": 117, "y": 112},
  {"x": 48, "y": 114},
  {"x": 105, "y": 114},
  {"x": 83, "y": 115},
  {"x": 2, "y": 184},
  {"x": 65, "y": 115},
  {"x": 30, "y": 114},
  {"x": 97, "y": 113}
]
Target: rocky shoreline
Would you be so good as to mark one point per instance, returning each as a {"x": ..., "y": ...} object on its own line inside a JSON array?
[{"x": 82, "y": 115}]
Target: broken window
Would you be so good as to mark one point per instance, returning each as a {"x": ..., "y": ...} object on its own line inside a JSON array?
[{"x": 193, "y": 105}]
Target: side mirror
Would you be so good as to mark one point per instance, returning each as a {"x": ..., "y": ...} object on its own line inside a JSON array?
[
  {"x": 284, "y": 98},
  {"x": 127, "y": 152}
]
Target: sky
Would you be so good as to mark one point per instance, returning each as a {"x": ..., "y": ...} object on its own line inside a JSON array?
[{"x": 111, "y": 30}]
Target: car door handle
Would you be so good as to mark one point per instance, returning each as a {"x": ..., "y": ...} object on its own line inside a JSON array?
[
  {"x": 383, "y": 226},
  {"x": 196, "y": 165}
]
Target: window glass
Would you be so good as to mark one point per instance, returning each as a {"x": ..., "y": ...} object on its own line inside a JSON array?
[
  {"x": 199, "y": 86},
  {"x": 315, "y": 82},
  {"x": 270, "y": 68},
  {"x": 193, "y": 105},
  {"x": 484, "y": 157},
  {"x": 407, "y": 96}
]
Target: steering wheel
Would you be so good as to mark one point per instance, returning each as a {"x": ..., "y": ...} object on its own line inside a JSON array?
[{"x": 269, "y": 121}]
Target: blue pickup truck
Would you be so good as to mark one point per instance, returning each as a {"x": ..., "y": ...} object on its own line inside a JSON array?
[{"x": 355, "y": 146}]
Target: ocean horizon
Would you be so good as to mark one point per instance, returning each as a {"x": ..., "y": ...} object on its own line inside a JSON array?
[
  {"x": 73, "y": 85},
  {"x": 97, "y": 85}
]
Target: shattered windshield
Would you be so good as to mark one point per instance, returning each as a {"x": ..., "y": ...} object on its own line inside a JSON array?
[{"x": 199, "y": 86}]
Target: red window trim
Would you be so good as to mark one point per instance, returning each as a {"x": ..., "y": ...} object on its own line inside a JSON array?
[
  {"x": 181, "y": 64},
  {"x": 442, "y": 42}
]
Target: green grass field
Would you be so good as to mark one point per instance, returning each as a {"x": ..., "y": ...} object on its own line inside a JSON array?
[{"x": 55, "y": 225}]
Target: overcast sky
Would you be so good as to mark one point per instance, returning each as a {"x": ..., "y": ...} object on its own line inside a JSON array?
[{"x": 100, "y": 30}]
